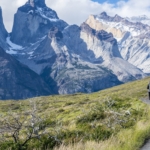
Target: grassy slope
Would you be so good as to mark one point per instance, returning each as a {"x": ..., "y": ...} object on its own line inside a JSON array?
[{"x": 112, "y": 119}]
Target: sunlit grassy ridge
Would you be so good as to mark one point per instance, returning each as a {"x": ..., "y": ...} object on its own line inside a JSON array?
[{"x": 112, "y": 119}]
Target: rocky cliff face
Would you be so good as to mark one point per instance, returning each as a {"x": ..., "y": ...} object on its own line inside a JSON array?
[
  {"x": 78, "y": 59},
  {"x": 17, "y": 81},
  {"x": 133, "y": 37},
  {"x": 32, "y": 21},
  {"x": 67, "y": 69},
  {"x": 101, "y": 48},
  {"x": 3, "y": 32},
  {"x": 69, "y": 59}
]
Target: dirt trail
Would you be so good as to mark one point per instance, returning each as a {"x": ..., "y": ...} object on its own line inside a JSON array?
[
  {"x": 147, "y": 144},
  {"x": 146, "y": 100}
]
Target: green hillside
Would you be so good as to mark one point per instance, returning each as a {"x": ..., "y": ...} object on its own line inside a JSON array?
[{"x": 112, "y": 119}]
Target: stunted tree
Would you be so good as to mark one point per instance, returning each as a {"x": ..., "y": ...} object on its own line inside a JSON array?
[{"x": 23, "y": 127}]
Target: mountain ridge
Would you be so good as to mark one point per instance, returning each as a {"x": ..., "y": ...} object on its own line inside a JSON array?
[
  {"x": 133, "y": 38},
  {"x": 69, "y": 58}
]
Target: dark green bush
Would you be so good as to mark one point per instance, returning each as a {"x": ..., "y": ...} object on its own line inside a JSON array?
[
  {"x": 71, "y": 136},
  {"x": 100, "y": 133},
  {"x": 96, "y": 113}
]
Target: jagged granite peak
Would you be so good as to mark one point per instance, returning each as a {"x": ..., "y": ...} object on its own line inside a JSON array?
[
  {"x": 103, "y": 14},
  {"x": 33, "y": 23},
  {"x": 118, "y": 26},
  {"x": 116, "y": 18},
  {"x": 132, "y": 37},
  {"x": 17, "y": 81}
]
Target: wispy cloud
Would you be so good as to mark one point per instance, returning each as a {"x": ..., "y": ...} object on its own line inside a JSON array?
[{"x": 77, "y": 11}]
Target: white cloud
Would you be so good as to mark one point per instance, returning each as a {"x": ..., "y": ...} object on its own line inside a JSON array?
[
  {"x": 9, "y": 7},
  {"x": 77, "y": 11}
]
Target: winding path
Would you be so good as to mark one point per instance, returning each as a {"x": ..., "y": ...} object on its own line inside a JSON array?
[{"x": 147, "y": 144}]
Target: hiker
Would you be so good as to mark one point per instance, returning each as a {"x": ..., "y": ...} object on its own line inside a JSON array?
[{"x": 148, "y": 87}]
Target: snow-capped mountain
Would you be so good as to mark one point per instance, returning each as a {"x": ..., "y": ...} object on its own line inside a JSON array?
[
  {"x": 69, "y": 58},
  {"x": 133, "y": 38},
  {"x": 60, "y": 58},
  {"x": 118, "y": 26}
]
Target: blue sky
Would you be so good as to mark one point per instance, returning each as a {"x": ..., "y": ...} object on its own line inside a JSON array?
[{"x": 109, "y": 1}]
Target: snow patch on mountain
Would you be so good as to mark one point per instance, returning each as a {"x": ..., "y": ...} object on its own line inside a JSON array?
[
  {"x": 20, "y": 50},
  {"x": 13, "y": 45},
  {"x": 46, "y": 16},
  {"x": 13, "y": 48}
]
